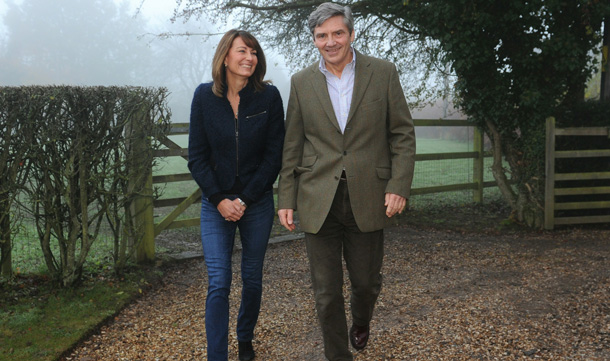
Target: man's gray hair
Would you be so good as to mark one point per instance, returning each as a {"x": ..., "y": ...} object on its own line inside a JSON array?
[{"x": 326, "y": 11}]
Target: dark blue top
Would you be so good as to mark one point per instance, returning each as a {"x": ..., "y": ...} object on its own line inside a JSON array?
[{"x": 229, "y": 156}]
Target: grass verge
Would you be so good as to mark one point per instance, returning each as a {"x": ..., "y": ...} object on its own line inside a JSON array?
[{"x": 39, "y": 321}]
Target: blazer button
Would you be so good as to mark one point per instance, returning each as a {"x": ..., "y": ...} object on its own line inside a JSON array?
[{"x": 344, "y": 152}]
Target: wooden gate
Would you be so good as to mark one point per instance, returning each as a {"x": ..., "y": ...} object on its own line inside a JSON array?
[
  {"x": 182, "y": 203},
  {"x": 552, "y": 190},
  {"x": 145, "y": 206}
]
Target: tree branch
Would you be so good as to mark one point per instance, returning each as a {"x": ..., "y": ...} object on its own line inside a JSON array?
[
  {"x": 393, "y": 24},
  {"x": 278, "y": 8}
]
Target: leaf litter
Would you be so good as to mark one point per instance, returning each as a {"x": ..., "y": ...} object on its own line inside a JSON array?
[{"x": 448, "y": 294}]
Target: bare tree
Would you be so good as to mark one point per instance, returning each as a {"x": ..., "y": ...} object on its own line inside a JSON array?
[{"x": 282, "y": 25}]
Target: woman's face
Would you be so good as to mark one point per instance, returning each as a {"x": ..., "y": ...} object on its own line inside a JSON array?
[{"x": 241, "y": 60}]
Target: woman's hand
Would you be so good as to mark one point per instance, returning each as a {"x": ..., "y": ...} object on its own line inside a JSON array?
[{"x": 231, "y": 210}]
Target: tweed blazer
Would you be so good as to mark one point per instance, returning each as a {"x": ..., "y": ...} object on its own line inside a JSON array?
[{"x": 377, "y": 148}]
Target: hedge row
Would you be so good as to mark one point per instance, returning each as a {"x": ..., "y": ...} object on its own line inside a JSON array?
[{"x": 72, "y": 158}]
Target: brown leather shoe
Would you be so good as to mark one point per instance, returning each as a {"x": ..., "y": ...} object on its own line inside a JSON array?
[{"x": 359, "y": 336}]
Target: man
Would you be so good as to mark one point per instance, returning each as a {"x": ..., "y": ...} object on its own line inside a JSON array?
[{"x": 347, "y": 167}]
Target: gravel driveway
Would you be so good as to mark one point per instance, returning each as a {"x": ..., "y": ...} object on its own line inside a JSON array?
[{"x": 447, "y": 295}]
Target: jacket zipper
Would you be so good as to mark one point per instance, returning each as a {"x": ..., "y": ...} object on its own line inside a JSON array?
[
  {"x": 237, "y": 146},
  {"x": 255, "y": 115}
]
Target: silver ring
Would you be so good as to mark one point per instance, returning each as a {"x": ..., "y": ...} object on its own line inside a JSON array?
[{"x": 227, "y": 219}]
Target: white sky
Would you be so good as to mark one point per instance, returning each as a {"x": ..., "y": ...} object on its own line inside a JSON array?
[
  {"x": 158, "y": 13},
  {"x": 3, "y": 8}
]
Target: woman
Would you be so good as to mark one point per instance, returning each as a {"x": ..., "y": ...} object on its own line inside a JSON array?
[{"x": 235, "y": 145}]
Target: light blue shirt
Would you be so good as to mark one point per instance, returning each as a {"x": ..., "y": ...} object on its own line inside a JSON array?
[{"x": 341, "y": 89}]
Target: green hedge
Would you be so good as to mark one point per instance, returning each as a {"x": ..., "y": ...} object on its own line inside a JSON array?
[{"x": 76, "y": 157}]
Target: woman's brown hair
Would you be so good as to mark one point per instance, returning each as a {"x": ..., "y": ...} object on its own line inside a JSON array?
[{"x": 219, "y": 76}]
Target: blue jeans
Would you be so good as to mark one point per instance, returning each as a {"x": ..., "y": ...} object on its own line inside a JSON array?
[{"x": 218, "y": 238}]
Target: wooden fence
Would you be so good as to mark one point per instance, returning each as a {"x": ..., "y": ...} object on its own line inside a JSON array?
[
  {"x": 553, "y": 190},
  {"x": 180, "y": 204},
  {"x": 477, "y": 155}
]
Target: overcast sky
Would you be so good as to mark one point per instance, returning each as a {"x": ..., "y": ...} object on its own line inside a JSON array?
[
  {"x": 157, "y": 14},
  {"x": 160, "y": 11},
  {"x": 2, "y": 11}
]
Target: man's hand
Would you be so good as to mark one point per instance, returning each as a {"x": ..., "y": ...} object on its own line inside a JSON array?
[
  {"x": 286, "y": 220},
  {"x": 231, "y": 210},
  {"x": 394, "y": 203}
]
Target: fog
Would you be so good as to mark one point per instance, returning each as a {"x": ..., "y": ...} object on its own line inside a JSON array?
[{"x": 113, "y": 42}]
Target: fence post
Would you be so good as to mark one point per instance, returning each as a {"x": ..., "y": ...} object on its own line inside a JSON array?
[
  {"x": 143, "y": 211},
  {"x": 549, "y": 182},
  {"x": 478, "y": 165},
  {"x": 144, "y": 214}
]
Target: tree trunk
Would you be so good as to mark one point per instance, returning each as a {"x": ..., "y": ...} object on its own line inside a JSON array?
[
  {"x": 522, "y": 200},
  {"x": 6, "y": 262},
  {"x": 44, "y": 236},
  {"x": 528, "y": 210},
  {"x": 497, "y": 168}
]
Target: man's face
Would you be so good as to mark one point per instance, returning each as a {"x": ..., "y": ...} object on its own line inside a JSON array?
[{"x": 333, "y": 40}]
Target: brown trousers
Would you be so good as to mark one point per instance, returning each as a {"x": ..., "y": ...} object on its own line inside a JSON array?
[{"x": 363, "y": 254}]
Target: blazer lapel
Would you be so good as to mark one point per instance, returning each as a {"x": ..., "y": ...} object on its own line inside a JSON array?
[
  {"x": 318, "y": 82},
  {"x": 361, "y": 82}
]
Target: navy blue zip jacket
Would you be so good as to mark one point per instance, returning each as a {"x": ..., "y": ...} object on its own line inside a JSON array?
[{"x": 229, "y": 156}]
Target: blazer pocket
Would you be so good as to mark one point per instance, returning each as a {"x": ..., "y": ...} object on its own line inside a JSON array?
[
  {"x": 374, "y": 102},
  {"x": 384, "y": 173},
  {"x": 373, "y": 106},
  {"x": 306, "y": 165}
]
